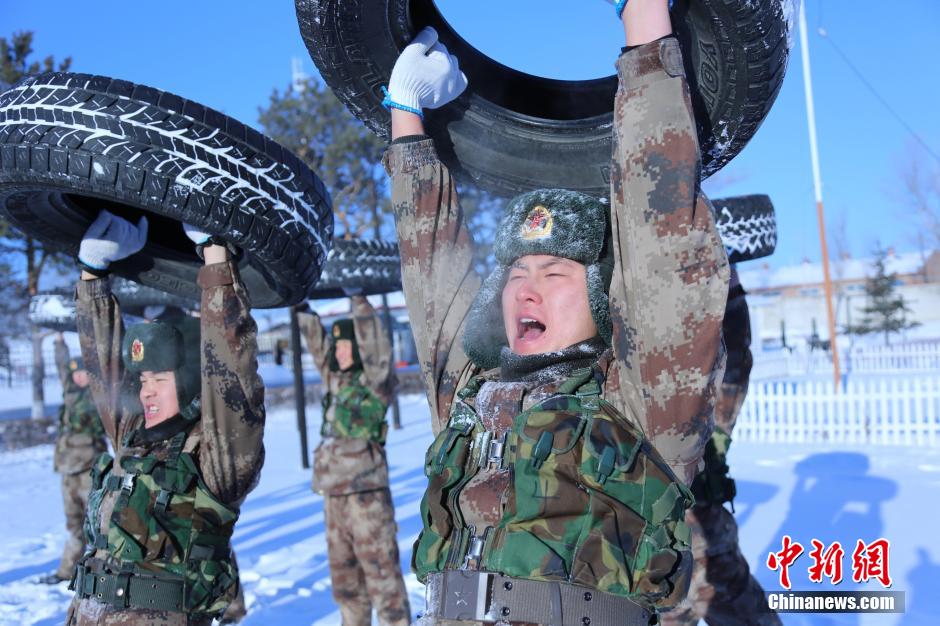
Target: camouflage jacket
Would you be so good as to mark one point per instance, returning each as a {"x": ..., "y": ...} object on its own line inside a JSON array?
[
  {"x": 343, "y": 465},
  {"x": 226, "y": 442},
  {"x": 80, "y": 437},
  {"x": 669, "y": 285}
]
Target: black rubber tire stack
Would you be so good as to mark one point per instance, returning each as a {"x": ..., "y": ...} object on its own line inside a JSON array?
[
  {"x": 747, "y": 225},
  {"x": 368, "y": 266},
  {"x": 513, "y": 131},
  {"x": 72, "y": 144}
]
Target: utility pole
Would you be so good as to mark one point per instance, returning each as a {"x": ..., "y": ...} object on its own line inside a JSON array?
[
  {"x": 817, "y": 186},
  {"x": 299, "y": 400}
]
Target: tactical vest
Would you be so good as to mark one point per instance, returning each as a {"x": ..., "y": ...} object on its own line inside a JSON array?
[
  {"x": 590, "y": 502},
  {"x": 165, "y": 525},
  {"x": 80, "y": 417},
  {"x": 358, "y": 413}
]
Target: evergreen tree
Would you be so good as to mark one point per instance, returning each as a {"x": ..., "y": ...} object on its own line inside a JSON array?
[
  {"x": 885, "y": 311},
  {"x": 309, "y": 120},
  {"x": 25, "y": 257}
]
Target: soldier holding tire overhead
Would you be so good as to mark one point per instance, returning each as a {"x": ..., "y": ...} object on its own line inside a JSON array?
[
  {"x": 350, "y": 469},
  {"x": 187, "y": 439},
  {"x": 573, "y": 397}
]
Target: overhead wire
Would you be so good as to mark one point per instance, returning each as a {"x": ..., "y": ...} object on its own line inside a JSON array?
[{"x": 858, "y": 73}]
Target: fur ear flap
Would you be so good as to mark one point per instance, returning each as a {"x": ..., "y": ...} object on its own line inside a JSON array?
[{"x": 484, "y": 335}]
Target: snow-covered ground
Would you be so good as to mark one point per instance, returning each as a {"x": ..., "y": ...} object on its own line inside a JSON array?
[{"x": 807, "y": 492}]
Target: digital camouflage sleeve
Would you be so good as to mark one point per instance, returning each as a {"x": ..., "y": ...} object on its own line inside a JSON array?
[
  {"x": 436, "y": 265},
  {"x": 670, "y": 282},
  {"x": 231, "y": 451},
  {"x": 669, "y": 286}
]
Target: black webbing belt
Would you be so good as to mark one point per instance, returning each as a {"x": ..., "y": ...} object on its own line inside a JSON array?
[
  {"x": 488, "y": 597},
  {"x": 125, "y": 590}
]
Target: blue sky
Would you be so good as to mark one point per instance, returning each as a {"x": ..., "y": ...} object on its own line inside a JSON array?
[{"x": 231, "y": 54}]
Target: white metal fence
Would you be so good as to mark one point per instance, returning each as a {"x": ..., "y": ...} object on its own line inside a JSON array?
[
  {"x": 868, "y": 359},
  {"x": 875, "y": 410}
]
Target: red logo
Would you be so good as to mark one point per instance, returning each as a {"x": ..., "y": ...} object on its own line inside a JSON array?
[
  {"x": 784, "y": 559},
  {"x": 826, "y": 562},
  {"x": 137, "y": 351},
  {"x": 871, "y": 561}
]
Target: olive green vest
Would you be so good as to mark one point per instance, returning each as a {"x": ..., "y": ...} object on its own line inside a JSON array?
[
  {"x": 591, "y": 502},
  {"x": 358, "y": 413},
  {"x": 79, "y": 415},
  {"x": 166, "y": 523}
]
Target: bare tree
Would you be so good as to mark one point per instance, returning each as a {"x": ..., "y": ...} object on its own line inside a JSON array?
[{"x": 920, "y": 187}]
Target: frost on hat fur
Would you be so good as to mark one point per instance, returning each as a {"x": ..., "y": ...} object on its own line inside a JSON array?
[{"x": 556, "y": 222}]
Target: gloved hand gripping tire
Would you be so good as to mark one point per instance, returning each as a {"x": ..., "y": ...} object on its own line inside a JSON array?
[
  {"x": 425, "y": 76},
  {"x": 110, "y": 238}
]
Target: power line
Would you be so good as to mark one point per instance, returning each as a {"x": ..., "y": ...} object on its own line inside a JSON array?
[{"x": 878, "y": 96}]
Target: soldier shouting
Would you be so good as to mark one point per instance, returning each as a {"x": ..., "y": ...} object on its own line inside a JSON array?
[
  {"x": 573, "y": 397},
  {"x": 79, "y": 441},
  {"x": 350, "y": 469},
  {"x": 187, "y": 437}
]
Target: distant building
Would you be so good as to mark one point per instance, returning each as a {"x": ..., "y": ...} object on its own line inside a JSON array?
[{"x": 787, "y": 303}]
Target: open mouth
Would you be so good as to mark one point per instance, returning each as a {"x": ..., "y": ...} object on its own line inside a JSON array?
[{"x": 529, "y": 329}]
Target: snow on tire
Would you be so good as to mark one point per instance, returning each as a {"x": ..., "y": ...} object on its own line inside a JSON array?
[
  {"x": 370, "y": 265},
  {"x": 512, "y": 131},
  {"x": 53, "y": 311},
  {"x": 747, "y": 225},
  {"x": 72, "y": 144}
]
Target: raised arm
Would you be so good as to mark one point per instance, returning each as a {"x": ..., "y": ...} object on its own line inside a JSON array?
[
  {"x": 670, "y": 281},
  {"x": 435, "y": 246},
  {"x": 232, "y": 393},
  {"x": 318, "y": 343},
  {"x": 98, "y": 315},
  {"x": 375, "y": 349},
  {"x": 62, "y": 357}
]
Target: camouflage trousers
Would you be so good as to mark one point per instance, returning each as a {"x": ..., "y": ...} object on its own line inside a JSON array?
[
  {"x": 364, "y": 563},
  {"x": 75, "y": 490},
  {"x": 90, "y": 612},
  {"x": 723, "y": 592}
]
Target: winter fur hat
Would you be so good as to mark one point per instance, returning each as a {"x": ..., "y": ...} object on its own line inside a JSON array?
[
  {"x": 557, "y": 222},
  {"x": 160, "y": 347},
  {"x": 344, "y": 329},
  {"x": 76, "y": 364}
]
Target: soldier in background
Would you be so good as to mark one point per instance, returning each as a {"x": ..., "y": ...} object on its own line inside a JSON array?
[
  {"x": 350, "y": 470},
  {"x": 573, "y": 398},
  {"x": 187, "y": 437},
  {"x": 79, "y": 441},
  {"x": 723, "y": 591}
]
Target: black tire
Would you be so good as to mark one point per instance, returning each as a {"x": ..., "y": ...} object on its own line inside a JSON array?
[
  {"x": 370, "y": 265},
  {"x": 747, "y": 225},
  {"x": 54, "y": 310},
  {"x": 512, "y": 131},
  {"x": 71, "y": 144}
]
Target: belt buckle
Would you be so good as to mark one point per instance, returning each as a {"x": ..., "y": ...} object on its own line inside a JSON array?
[
  {"x": 127, "y": 482},
  {"x": 465, "y": 595}
]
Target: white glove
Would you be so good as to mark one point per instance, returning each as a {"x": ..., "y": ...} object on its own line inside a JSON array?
[
  {"x": 111, "y": 238},
  {"x": 425, "y": 75},
  {"x": 195, "y": 235}
]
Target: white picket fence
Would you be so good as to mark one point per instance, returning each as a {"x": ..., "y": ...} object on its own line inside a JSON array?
[
  {"x": 891, "y": 410},
  {"x": 869, "y": 359}
]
